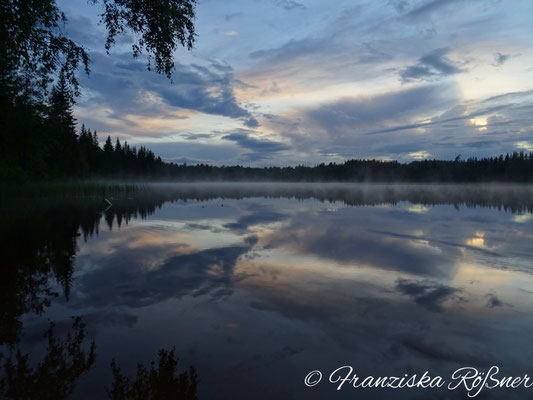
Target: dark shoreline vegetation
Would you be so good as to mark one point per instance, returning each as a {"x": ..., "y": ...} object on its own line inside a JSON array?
[{"x": 69, "y": 189}]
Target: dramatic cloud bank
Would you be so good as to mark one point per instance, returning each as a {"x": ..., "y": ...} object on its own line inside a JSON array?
[{"x": 283, "y": 82}]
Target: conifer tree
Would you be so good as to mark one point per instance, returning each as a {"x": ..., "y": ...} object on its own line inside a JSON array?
[
  {"x": 61, "y": 103},
  {"x": 118, "y": 147},
  {"x": 108, "y": 146}
]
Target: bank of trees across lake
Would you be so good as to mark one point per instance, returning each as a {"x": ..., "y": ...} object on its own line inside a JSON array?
[{"x": 41, "y": 141}]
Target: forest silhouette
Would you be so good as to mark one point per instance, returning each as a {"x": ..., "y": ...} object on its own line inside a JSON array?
[{"x": 41, "y": 140}]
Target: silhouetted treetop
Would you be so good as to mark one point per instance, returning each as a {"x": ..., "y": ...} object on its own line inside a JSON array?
[
  {"x": 33, "y": 46},
  {"x": 61, "y": 105},
  {"x": 35, "y": 49},
  {"x": 159, "y": 26}
]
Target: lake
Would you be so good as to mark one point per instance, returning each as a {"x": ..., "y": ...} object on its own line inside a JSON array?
[{"x": 256, "y": 285}]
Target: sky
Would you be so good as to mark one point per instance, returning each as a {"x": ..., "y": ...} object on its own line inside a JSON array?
[{"x": 286, "y": 82}]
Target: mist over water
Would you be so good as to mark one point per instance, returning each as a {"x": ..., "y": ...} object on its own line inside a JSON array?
[{"x": 258, "y": 284}]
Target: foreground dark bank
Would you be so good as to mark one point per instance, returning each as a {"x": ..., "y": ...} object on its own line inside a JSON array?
[{"x": 257, "y": 285}]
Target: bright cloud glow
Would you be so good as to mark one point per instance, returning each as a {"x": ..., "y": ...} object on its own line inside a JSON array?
[
  {"x": 525, "y": 145},
  {"x": 419, "y": 155},
  {"x": 480, "y": 123}
]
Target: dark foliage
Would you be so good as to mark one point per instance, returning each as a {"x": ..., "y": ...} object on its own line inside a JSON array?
[
  {"x": 39, "y": 68},
  {"x": 55, "y": 376},
  {"x": 38, "y": 142},
  {"x": 516, "y": 167},
  {"x": 34, "y": 49},
  {"x": 159, "y": 27},
  {"x": 160, "y": 382}
]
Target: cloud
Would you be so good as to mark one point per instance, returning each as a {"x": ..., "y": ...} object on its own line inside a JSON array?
[
  {"x": 128, "y": 282},
  {"x": 528, "y": 146},
  {"x": 427, "y": 8},
  {"x": 260, "y": 148},
  {"x": 338, "y": 240},
  {"x": 437, "y": 124},
  {"x": 131, "y": 95},
  {"x": 369, "y": 54},
  {"x": 500, "y": 58},
  {"x": 197, "y": 136},
  {"x": 430, "y": 295},
  {"x": 232, "y": 16},
  {"x": 420, "y": 155},
  {"x": 251, "y": 123},
  {"x": 327, "y": 88},
  {"x": 290, "y": 50},
  {"x": 261, "y": 216},
  {"x": 202, "y": 90},
  {"x": 493, "y": 301},
  {"x": 514, "y": 103},
  {"x": 88, "y": 35},
  {"x": 431, "y": 65},
  {"x": 290, "y": 5},
  {"x": 274, "y": 88},
  {"x": 352, "y": 115},
  {"x": 399, "y": 5}
]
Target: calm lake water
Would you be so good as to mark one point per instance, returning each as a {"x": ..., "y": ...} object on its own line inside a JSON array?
[{"x": 256, "y": 285}]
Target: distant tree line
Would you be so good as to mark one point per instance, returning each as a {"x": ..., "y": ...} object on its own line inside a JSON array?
[
  {"x": 42, "y": 142},
  {"x": 515, "y": 167}
]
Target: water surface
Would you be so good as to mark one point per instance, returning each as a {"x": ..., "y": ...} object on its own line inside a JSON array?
[{"x": 258, "y": 285}]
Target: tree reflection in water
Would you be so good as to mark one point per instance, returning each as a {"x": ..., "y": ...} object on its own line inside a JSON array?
[
  {"x": 55, "y": 376},
  {"x": 65, "y": 361},
  {"x": 39, "y": 242},
  {"x": 160, "y": 382}
]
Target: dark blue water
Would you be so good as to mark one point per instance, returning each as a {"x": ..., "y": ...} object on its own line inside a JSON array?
[{"x": 255, "y": 287}]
